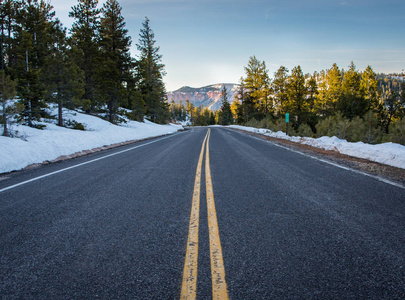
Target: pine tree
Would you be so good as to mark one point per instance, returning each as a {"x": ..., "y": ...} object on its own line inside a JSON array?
[
  {"x": 84, "y": 40},
  {"x": 117, "y": 62},
  {"x": 241, "y": 116},
  {"x": 296, "y": 91},
  {"x": 256, "y": 84},
  {"x": 7, "y": 92},
  {"x": 151, "y": 72},
  {"x": 267, "y": 101},
  {"x": 352, "y": 103},
  {"x": 235, "y": 108},
  {"x": 280, "y": 90},
  {"x": 397, "y": 131},
  {"x": 208, "y": 117},
  {"x": 8, "y": 11},
  {"x": 369, "y": 88},
  {"x": 178, "y": 111},
  {"x": 63, "y": 78},
  {"x": 138, "y": 105},
  {"x": 135, "y": 100},
  {"x": 330, "y": 92},
  {"x": 31, "y": 48},
  {"x": 392, "y": 107},
  {"x": 226, "y": 112},
  {"x": 312, "y": 89}
]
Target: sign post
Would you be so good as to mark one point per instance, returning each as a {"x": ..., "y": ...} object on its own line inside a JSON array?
[{"x": 287, "y": 120}]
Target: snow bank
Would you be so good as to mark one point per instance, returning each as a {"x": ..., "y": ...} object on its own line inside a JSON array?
[
  {"x": 387, "y": 153},
  {"x": 37, "y": 145}
]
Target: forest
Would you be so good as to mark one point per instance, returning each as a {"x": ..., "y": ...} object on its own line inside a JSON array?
[
  {"x": 346, "y": 103},
  {"x": 88, "y": 67}
]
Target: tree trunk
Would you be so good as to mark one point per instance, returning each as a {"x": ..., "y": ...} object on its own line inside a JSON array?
[
  {"x": 60, "y": 112},
  {"x": 5, "y": 130}
]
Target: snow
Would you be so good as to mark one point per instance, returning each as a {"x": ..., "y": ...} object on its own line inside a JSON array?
[
  {"x": 388, "y": 153},
  {"x": 36, "y": 146}
]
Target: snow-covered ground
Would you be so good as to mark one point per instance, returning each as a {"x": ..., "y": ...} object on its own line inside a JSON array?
[
  {"x": 387, "y": 153},
  {"x": 37, "y": 146}
]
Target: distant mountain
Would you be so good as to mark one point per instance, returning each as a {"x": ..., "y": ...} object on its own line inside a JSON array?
[{"x": 207, "y": 96}]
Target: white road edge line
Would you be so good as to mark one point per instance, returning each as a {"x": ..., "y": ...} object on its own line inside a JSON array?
[
  {"x": 334, "y": 164},
  {"x": 81, "y": 164}
]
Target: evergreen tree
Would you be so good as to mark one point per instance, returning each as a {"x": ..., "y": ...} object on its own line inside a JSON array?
[
  {"x": 63, "y": 79},
  {"x": 117, "y": 62},
  {"x": 352, "y": 103},
  {"x": 31, "y": 48},
  {"x": 280, "y": 90},
  {"x": 392, "y": 107},
  {"x": 397, "y": 131},
  {"x": 312, "y": 89},
  {"x": 212, "y": 118},
  {"x": 389, "y": 83},
  {"x": 178, "y": 111},
  {"x": 226, "y": 112},
  {"x": 240, "y": 96},
  {"x": 267, "y": 101},
  {"x": 84, "y": 40},
  {"x": 208, "y": 117},
  {"x": 8, "y": 11},
  {"x": 369, "y": 88},
  {"x": 256, "y": 84},
  {"x": 138, "y": 105},
  {"x": 235, "y": 107},
  {"x": 296, "y": 91},
  {"x": 173, "y": 110},
  {"x": 151, "y": 72},
  {"x": 249, "y": 106},
  {"x": 7, "y": 92},
  {"x": 365, "y": 129},
  {"x": 196, "y": 116},
  {"x": 189, "y": 107},
  {"x": 134, "y": 99},
  {"x": 335, "y": 125},
  {"x": 330, "y": 92}
]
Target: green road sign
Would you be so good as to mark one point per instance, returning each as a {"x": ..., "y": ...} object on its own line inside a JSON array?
[{"x": 287, "y": 117}]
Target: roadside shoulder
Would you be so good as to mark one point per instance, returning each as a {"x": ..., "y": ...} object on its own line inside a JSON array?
[{"x": 385, "y": 171}]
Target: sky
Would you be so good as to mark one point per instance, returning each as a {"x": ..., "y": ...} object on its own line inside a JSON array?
[{"x": 206, "y": 42}]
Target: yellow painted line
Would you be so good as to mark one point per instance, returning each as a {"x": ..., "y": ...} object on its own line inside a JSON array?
[
  {"x": 219, "y": 288},
  {"x": 189, "y": 285}
]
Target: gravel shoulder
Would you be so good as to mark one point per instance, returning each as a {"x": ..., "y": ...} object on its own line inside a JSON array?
[{"x": 385, "y": 171}]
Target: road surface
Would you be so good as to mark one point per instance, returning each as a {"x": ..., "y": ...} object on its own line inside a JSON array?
[{"x": 136, "y": 223}]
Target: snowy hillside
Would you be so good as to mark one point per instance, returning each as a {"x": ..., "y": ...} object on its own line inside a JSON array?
[
  {"x": 207, "y": 96},
  {"x": 37, "y": 146}
]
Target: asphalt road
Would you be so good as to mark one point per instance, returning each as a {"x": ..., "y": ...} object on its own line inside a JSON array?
[{"x": 114, "y": 225}]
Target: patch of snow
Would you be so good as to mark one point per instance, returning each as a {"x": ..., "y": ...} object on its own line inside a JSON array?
[
  {"x": 388, "y": 153},
  {"x": 54, "y": 141}
]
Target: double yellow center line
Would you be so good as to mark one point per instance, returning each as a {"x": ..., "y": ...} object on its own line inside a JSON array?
[{"x": 189, "y": 285}]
